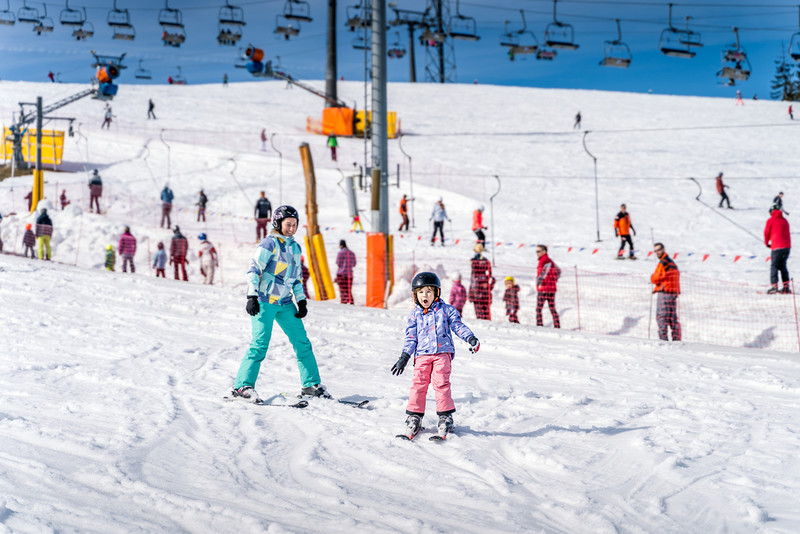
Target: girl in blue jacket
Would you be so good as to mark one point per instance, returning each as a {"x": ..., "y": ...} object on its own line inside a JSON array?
[{"x": 428, "y": 338}]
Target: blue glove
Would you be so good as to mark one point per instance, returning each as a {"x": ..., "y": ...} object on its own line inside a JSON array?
[{"x": 400, "y": 365}]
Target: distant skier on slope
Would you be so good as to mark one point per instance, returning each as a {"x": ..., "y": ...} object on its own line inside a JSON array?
[
  {"x": 166, "y": 206},
  {"x": 458, "y": 294},
  {"x": 429, "y": 340},
  {"x": 178, "y": 249},
  {"x": 262, "y": 214},
  {"x": 209, "y": 260},
  {"x": 160, "y": 261},
  {"x": 274, "y": 277},
  {"x": 779, "y": 240},
  {"x": 547, "y": 275},
  {"x": 95, "y": 191},
  {"x": 622, "y": 229},
  {"x": 721, "y": 187},
  {"x": 511, "y": 299},
  {"x": 127, "y": 249}
]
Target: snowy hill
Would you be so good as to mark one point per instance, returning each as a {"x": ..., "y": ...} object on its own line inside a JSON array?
[{"x": 112, "y": 418}]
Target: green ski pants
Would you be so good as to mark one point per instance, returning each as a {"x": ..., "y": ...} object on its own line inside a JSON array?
[{"x": 262, "y": 332}]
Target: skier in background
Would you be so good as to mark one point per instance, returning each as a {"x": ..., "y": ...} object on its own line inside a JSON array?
[
  {"x": 29, "y": 241},
  {"x": 511, "y": 299},
  {"x": 777, "y": 203},
  {"x": 721, "y": 190},
  {"x": 481, "y": 283},
  {"x": 209, "y": 260},
  {"x": 29, "y": 198},
  {"x": 577, "y": 124},
  {"x": 63, "y": 199},
  {"x": 166, "y": 206},
  {"x": 263, "y": 140},
  {"x": 429, "y": 340},
  {"x": 547, "y": 275},
  {"x": 111, "y": 257},
  {"x": 345, "y": 261},
  {"x": 160, "y": 261},
  {"x": 458, "y": 293},
  {"x": 127, "y": 249},
  {"x": 791, "y": 115},
  {"x": 404, "y": 212},
  {"x": 201, "y": 206},
  {"x": 44, "y": 230},
  {"x": 739, "y": 98},
  {"x": 107, "y": 118},
  {"x": 262, "y": 214},
  {"x": 269, "y": 300},
  {"x": 178, "y": 249},
  {"x": 438, "y": 216},
  {"x": 333, "y": 143},
  {"x": 151, "y": 114},
  {"x": 225, "y": 80},
  {"x": 95, "y": 191},
  {"x": 477, "y": 225},
  {"x": 51, "y": 76},
  {"x": 778, "y": 239},
  {"x": 667, "y": 284},
  {"x": 622, "y": 229}
]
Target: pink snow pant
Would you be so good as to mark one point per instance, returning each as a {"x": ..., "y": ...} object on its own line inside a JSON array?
[{"x": 431, "y": 368}]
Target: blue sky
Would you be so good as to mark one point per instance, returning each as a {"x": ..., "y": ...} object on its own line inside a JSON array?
[{"x": 765, "y": 31}]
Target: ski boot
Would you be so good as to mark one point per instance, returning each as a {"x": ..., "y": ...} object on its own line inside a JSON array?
[
  {"x": 444, "y": 427},
  {"x": 772, "y": 290},
  {"x": 315, "y": 391},
  {"x": 247, "y": 393},
  {"x": 413, "y": 426},
  {"x": 786, "y": 290}
]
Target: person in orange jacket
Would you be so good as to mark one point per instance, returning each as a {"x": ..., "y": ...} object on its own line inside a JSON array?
[
  {"x": 404, "y": 212},
  {"x": 622, "y": 229},
  {"x": 667, "y": 282},
  {"x": 477, "y": 225},
  {"x": 721, "y": 187}
]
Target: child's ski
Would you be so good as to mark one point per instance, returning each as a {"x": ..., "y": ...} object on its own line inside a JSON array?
[
  {"x": 354, "y": 404},
  {"x": 298, "y": 404},
  {"x": 409, "y": 437}
]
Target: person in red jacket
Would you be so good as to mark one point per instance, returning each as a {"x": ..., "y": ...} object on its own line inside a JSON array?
[
  {"x": 481, "y": 283},
  {"x": 667, "y": 282},
  {"x": 721, "y": 190},
  {"x": 177, "y": 253},
  {"x": 458, "y": 294},
  {"x": 477, "y": 225},
  {"x": 127, "y": 249},
  {"x": 778, "y": 239},
  {"x": 547, "y": 274}
]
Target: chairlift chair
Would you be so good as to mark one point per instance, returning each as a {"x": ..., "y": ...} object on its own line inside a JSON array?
[
  {"x": 231, "y": 15},
  {"x": 286, "y": 27},
  {"x": 72, "y": 17},
  {"x": 45, "y": 24},
  {"x": 142, "y": 73},
  {"x": 84, "y": 32},
  {"x": 229, "y": 35},
  {"x": 173, "y": 36},
  {"x": 360, "y": 43},
  {"x": 559, "y": 34},
  {"x": 123, "y": 33},
  {"x": 396, "y": 51},
  {"x": 430, "y": 35},
  {"x": 546, "y": 54},
  {"x": 794, "y": 45},
  {"x": 616, "y": 53},
  {"x": 297, "y": 10},
  {"x": 735, "y": 65},
  {"x": 678, "y": 43},
  {"x": 118, "y": 17},
  {"x": 28, "y": 14},
  {"x": 7, "y": 16},
  {"x": 356, "y": 17},
  {"x": 522, "y": 41},
  {"x": 179, "y": 79},
  {"x": 169, "y": 17},
  {"x": 462, "y": 27}
]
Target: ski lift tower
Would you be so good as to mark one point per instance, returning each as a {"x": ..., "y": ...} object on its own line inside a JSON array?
[
  {"x": 440, "y": 53},
  {"x": 414, "y": 20}
]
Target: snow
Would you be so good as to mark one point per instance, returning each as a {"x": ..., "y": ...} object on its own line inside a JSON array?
[{"x": 112, "y": 418}]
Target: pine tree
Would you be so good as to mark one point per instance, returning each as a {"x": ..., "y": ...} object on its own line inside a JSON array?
[{"x": 783, "y": 86}]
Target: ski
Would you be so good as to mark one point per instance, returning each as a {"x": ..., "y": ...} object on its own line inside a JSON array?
[
  {"x": 406, "y": 437},
  {"x": 354, "y": 404},
  {"x": 438, "y": 438},
  {"x": 298, "y": 404}
]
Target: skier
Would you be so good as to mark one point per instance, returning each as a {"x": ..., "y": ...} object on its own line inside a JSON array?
[
  {"x": 428, "y": 338},
  {"x": 481, "y": 284},
  {"x": 345, "y": 260},
  {"x": 63, "y": 198},
  {"x": 177, "y": 253},
  {"x": 777, "y": 203},
  {"x": 166, "y": 205},
  {"x": 44, "y": 230},
  {"x": 739, "y": 98},
  {"x": 791, "y": 115},
  {"x": 51, "y": 76},
  {"x": 477, "y": 225},
  {"x": 721, "y": 190},
  {"x": 356, "y": 224},
  {"x": 511, "y": 299},
  {"x": 577, "y": 124},
  {"x": 458, "y": 293},
  {"x": 438, "y": 216},
  {"x": 622, "y": 229},
  {"x": 151, "y": 110},
  {"x": 127, "y": 249},
  {"x": 95, "y": 191},
  {"x": 28, "y": 241},
  {"x": 273, "y": 277},
  {"x": 547, "y": 274},
  {"x": 778, "y": 238},
  {"x": 667, "y": 282},
  {"x": 225, "y": 80},
  {"x": 29, "y": 198},
  {"x": 111, "y": 257},
  {"x": 160, "y": 261},
  {"x": 263, "y": 140},
  {"x": 404, "y": 212},
  {"x": 107, "y": 118},
  {"x": 333, "y": 143},
  {"x": 209, "y": 260},
  {"x": 262, "y": 213},
  {"x": 201, "y": 206}
]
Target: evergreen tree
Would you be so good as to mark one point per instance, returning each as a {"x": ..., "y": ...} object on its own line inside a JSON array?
[{"x": 783, "y": 86}]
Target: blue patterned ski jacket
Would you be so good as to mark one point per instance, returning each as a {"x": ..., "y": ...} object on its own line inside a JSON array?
[
  {"x": 428, "y": 331},
  {"x": 275, "y": 271}
]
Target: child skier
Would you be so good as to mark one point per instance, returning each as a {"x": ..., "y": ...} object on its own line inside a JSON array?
[
  {"x": 160, "y": 261},
  {"x": 511, "y": 299},
  {"x": 111, "y": 258},
  {"x": 458, "y": 293},
  {"x": 29, "y": 240},
  {"x": 428, "y": 338},
  {"x": 273, "y": 277}
]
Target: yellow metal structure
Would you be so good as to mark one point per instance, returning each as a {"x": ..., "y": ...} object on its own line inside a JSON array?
[
  {"x": 52, "y": 146},
  {"x": 38, "y": 189}
]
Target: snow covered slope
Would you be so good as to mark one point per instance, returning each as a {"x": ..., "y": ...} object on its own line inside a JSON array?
[{"x": 111, "y": 417}]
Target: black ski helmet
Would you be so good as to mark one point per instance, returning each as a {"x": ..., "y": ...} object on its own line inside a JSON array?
[
  {"x": 281, "y": 213},
  {"x": 425, "y": 279}
]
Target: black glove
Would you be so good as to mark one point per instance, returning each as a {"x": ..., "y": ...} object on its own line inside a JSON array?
[
  {"x": 252, "y": 306},
  {"x": 634, "y": 230},
  {"x": 397, "y": 368},
  {"x": 302, "y": 309},
  {"x": 475, "y": 345}
]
